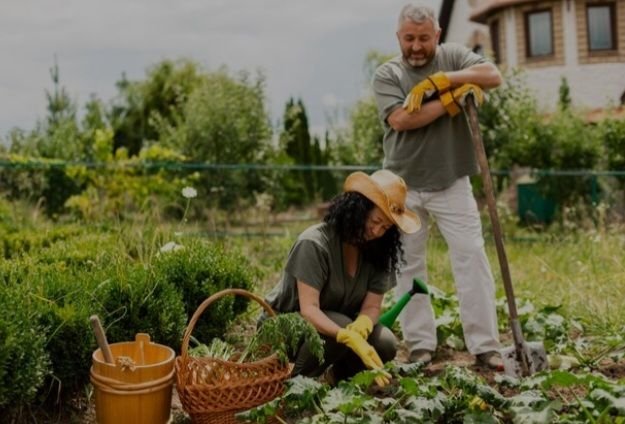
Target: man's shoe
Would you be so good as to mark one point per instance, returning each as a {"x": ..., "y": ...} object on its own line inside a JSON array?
[
  {"x": 421, "y": 355},
  {"x": 490, "y": 360}
]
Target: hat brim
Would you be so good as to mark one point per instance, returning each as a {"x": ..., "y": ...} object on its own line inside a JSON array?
[{"x": 408, "y": 222}]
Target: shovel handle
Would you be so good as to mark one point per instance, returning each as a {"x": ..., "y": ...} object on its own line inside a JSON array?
[
  {"x": 480, "y": 152},
  {"x": 100, "y": 336}
]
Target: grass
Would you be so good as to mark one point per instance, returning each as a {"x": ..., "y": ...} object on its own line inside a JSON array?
[{"x": 584, "y": 272}]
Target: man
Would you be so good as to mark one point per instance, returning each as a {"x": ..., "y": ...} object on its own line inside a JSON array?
[{"x": 427, "y": 142}]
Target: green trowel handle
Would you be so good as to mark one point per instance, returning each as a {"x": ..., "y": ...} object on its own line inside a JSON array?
[
  {"x": 388, "y": 318},
  {"x": 418, "y": 286}
]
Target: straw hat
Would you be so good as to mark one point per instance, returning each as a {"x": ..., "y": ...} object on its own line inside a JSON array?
[{"x": 388, "y": 192}]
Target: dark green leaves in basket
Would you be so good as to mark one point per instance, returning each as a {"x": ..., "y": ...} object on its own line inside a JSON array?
[{"x": 284, "y": 334}]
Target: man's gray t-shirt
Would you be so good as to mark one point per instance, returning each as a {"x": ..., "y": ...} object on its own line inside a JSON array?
[
  {"x": 432, "y": 157},
  {"x": 316, "y": 259}
]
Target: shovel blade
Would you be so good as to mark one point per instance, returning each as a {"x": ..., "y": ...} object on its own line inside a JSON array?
[{"x": 535, "y": 354}]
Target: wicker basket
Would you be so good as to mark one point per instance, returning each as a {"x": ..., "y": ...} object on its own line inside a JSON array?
[{"x": 212, "y": 390}]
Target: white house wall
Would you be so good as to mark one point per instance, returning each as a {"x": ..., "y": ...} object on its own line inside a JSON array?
[{"x": 591, "y": 86}]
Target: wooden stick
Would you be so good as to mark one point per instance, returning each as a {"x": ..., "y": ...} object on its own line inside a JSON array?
[
  {"x": 101, "y": 338},
  {"x": 480, "y": 152}
]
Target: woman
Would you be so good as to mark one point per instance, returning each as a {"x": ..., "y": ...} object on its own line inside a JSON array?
[{"x": 338, "y": 271}]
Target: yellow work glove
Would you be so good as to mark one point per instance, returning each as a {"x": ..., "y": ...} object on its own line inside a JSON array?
[
  {"x": 437, "y": 82},
  {"x": 365, "y": 351},
  {"x": 450, "y": 104},
  {"x": 460, "y": 94},
  {"x": 361, "y": 325}
]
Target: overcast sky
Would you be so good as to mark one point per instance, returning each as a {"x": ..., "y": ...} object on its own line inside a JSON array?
[{"x": 313, "y": 49}]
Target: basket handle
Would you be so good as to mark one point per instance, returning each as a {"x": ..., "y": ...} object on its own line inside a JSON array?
[{"x": 200, "y": 310}]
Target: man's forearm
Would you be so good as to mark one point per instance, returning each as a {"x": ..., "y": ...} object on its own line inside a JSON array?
[
  {"x": 401, "y": 120},
  {"x": 486, "y": 75}
]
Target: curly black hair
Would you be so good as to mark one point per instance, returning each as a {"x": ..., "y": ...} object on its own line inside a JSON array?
[{"x": 348, "y": 215}]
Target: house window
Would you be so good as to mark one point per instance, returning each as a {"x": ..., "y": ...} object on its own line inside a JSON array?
[
  {"x": 494, "y": 39},
  {"x": 601, "y": 27},
  {"x": 538, "y": 33}
]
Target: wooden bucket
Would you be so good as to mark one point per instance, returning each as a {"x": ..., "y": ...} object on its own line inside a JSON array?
[{"x": 137, "y": 388}]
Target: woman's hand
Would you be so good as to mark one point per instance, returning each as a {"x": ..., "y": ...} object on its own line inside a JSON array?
[
  {"x": 361, "y": 325},
  {"x": 365, "y": 351}
]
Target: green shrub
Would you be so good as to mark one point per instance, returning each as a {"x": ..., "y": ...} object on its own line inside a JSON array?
[
  {"x": 6, "y": 216},
  {"x": 65, "y": 305},
  {"x": 30, "y": 240},
  {"x": 612, "y": 133},
  {"x": 132, "y": 301},
  {"x": 24, "y": 362},
  {"x": 572, "y": 145},
  {"x": 87, "y": 250},
  {"x": 200, "y": 270}
]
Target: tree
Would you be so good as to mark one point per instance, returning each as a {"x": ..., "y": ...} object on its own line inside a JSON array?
[
  {"x": 143, "y": 105},
  {"x": 295, "y": 140},
  {"x": 223, "y": 121}
]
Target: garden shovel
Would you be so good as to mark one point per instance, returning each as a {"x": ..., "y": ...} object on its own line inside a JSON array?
[{"x": 524, "y": 358}]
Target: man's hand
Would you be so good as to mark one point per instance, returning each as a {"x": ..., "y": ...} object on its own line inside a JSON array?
[
  {"x": 437, "y": 82},
  {"x": 460, "y": 94},
  {"x": 454, "y": 100},
  {"x": 361, "y": 325},
  {"x": 365, "y": 351}
]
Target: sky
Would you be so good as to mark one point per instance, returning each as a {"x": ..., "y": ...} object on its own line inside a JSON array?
[{"x": 309, "y": 49}]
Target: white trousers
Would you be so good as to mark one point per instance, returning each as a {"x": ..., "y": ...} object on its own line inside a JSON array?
[{"x": 455, "y": 212}]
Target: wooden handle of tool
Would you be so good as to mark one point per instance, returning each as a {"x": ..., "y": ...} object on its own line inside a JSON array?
[
  {"x": 100, "y": 336},
  {"x": 480, "y": 152}
]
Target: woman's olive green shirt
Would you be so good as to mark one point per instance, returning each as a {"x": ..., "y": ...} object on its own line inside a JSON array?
[{"x": 316, "y": 259}]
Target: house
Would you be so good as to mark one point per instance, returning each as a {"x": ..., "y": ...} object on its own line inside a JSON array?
[{"x": 580, "y": 40}]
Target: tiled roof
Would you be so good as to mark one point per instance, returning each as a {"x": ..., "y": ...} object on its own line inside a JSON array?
[{"x": 489, "y": 7}]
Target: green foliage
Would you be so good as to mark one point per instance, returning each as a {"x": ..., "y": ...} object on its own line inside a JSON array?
[
  {"x": 125, "y": 187},
  {"x": 510, "y": 123},
  {"x": 60, "y": 303},
  {"x": 69, "y": 339},
  {"x": 456, "y": 396},
  {"x": 146, "y": 106},
  {"x": 133, "y": 301},
  {"x": 564, "y": 99},
  {"x": 572, "y": 144},
  {"x": 200, "y": 270},
  {"x": 302, "y": 186},
  {"x": 224, "y": 121},
  {"x": 296, "y": 142},
  {"x": 7, "y": 220},
  {"x": 284, "y": 334},
  {"x": 24, "y": 362},
  {"x": 448, "y": 323},
  {"x": 23, "y": 241},
  {"x": 361, "y": 143},
  {"x": 612, "y": 132},
  {"x": 516, "y": 134},
  {"x": 216, "y": 349}
]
